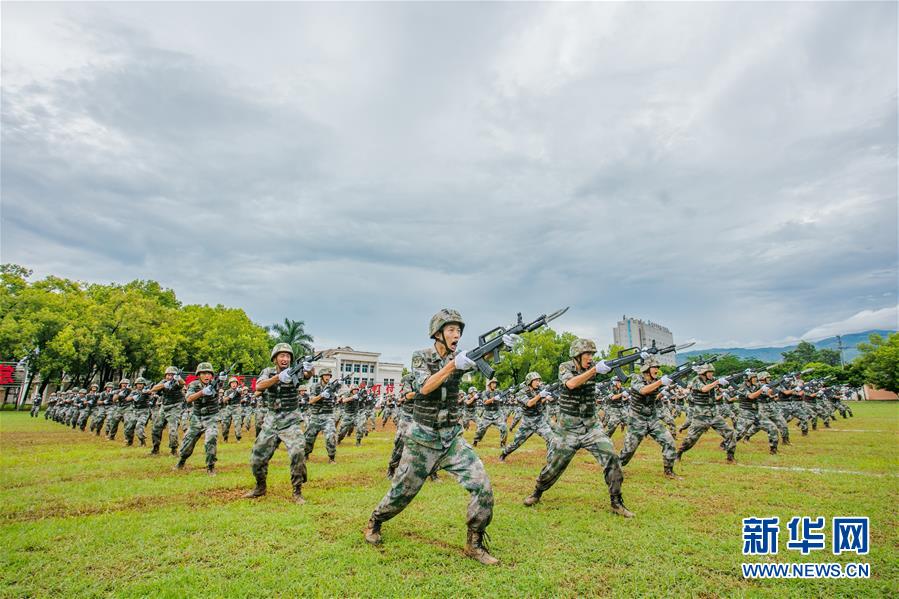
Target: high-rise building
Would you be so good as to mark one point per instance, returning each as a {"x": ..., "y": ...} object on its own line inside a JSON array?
[{"x": 634, "y": 332}]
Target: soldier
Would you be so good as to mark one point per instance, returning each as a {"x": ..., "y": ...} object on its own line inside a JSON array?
[
  {"x": 469, "y": 405},
  {"x": 353, "y": 415},
  {"x": 646, "y": 416},
  {"x": 78, "y": 406},
  {"x": 90, "y": 403},
  {"x": 789, "y": 396},
  {"x": 704, "y": 413},
  {"x": 136, "y": 410},
  {"x": 752, "y": 419},
  {"x": 492, "y": 416},
  {"x": 201, "y": 396},
  {"x": 260, "y": 411},
  {"x": 768, "y": 408},
  {"x": 435, "y": 438},
  {"x": 282, "y": 423},
  {"x": 172, "y": 389},
  {"x": 116, "y": 410},
  {"x": 322, "y": 397},
  {"x": 36, "y": 404},
  {"x": 580, "y": 428},
  {"x": 51, "y": 406},
  {"x": 615, "y": 408},
  {"x": 230, "y": 405},
  {"x": 533, "y": 420}
]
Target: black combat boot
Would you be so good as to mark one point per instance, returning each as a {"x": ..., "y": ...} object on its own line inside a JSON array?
[
  {"x": 372, "y": 532},
  {"x": 143, "y": 442},
  {"x": 827, "y": 424},
  {"x": 786, "y": 440},
  {"x": 669, "y": 471},
  {"x": 730, "y": 458},
  {"x": 772, "y": 450},
  {"x": 533, "y": 498},
  {"x": 476, "y": 549},
  {"x": 210, "y": 470},
  {"x": 618, "y": 507},
  {"x": 155, "y": 450},
  {"x": 174, "y": 451},
  {"x": 259, "y": 490},
  {"x": 179, "y": 465},
  {"x": 298, "y": 495},
  {"x": 502, "y": 456}
]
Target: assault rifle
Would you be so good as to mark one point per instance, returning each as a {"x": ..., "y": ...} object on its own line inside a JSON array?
[
  {"x": 789, "y": 377},
  {"x": 683, "y": 370},
  {"x": 491, "y": 343},
  {"x": 624, "y": 360},
  {"x": 297, "y": 368}
]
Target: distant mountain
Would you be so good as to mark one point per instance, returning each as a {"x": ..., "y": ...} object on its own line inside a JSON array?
[{"x": 773, "y": 354}]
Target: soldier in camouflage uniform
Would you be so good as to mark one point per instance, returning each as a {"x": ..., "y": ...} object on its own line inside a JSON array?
[
  {"x": 646, "y": 418},
  {"x": 322, "y": 397},
  {"x": 580, "y": 428},
  {"x": 172, "y": 389},
  {"x": 282, "y": 423},
  {"x": 201, "y": 395},
  {"x": 492, "y": 415},
  {"x": 79, "y": 404},
  {"x": 533, "y": 421},
  {"x": 705, "y": 414},
  {"x": 769, "y": 409},
  {"x": 230, "y": 409},
  {"x": 435, "y": 439},
  {"x": 615, "y": 408},
  {"x": 752, "y": 419},
  {"x": 99, "y": 416},
  {"x": 353, "y": 415},
  {"x": 469, "y": 408},
  {"x": 89, "y": 405},
  {"x": 137, "y": 407},
  {"x": 789, "y": 396},
  {"x": 116, "y": 410}
]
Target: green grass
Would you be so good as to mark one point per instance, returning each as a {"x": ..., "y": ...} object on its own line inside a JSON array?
[{"x": 82, "y": 516}]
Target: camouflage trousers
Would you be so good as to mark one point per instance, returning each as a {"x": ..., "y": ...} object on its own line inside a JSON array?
[
  {"x": 226, "y": 417},
  {"x": 517, "y": 414},
  {"x": 186, "y": 413},
  {"x": 166, "y": 416},
  {"x": 491, "y": 419},
  {"x": 403, "y": 426},
  {"x": 35, "y": 410},
  {"x": 843, "y": 408},
  {"x": 819, "y": 409},
  {"x": 576, "y": 433},
  {"x": 351, "y": 421},
  {"x": 83, "y": 415},
  {"x": 417, "y": 464},
  {"x": 639, "y": 426},
  {"x": 704, "y": 418},
  {"x": 616, "y": 415},
  {"x": 207, "y": 426},
  {"x": 259, "y": 415},
  {"x": 135, "y": 419},
  {"x": 531, "y": 425},
  {"x": 752, "y": 421},
  {"x": 771, "y": 412},
  {"x": 468, "y": 416},
  {"x": 324, "y": 424},
  {"x": 113, "y": 419},
  {"x": 97, "y": 419},
  {"x": 797, "y": 410},
  {"x": 688, "y": 410},
  {"x": 280, "y": 427}
]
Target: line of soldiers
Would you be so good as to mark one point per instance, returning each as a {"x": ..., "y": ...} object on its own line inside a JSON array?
[{"x": 431, "y": 413}]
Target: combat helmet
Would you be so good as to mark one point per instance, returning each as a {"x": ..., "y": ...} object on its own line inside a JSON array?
[
  {"x": 140, "y": 381},
  {"x": 472, "y": 389},
  {"x": 649, "y": 363},
  {"x": 233, "y": 379},
  {"x": 443, "y": 318},
  {"x": 325, "y": 371},
  {"x": 704, "y": 368},
  {"x": 763, "y": 375},
  {"x": 205, "y": 367},
  {"x": 171, "y": 370},
  {"x": 581, "y": 346},
  {"x": 124, "y": 382},
  {"x": 281, "y": 347},
  {"x": 531, "y": 377}
]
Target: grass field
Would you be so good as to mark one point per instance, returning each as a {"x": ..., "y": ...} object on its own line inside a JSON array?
[{"x": 82, "y": 516}]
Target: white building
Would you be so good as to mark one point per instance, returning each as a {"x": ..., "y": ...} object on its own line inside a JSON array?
[
  {"x": 633, "y": 332},
  {"x": 364, "y": 368}
]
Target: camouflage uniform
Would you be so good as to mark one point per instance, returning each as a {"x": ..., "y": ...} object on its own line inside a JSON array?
[
  {"x": 705, "y": 416},
  {"x": 580, "y": 428},
  {"x": 353, "y": 417},
  {"x": 230, "y": 412},
  {"x": 115, "y": 411},
  {"x": 321, "y": 420},
  {"x": 492, "y": 416},
  {"x": 752, "y": 419},
  {"x": 435, "y": 442},
  {"x": 168, "y": 414},
  {"x": 469, "y": 409},
  {"x": 281, "y": 425},
  {"x": 645, "y": 419},
  {"x": 533, "y": 422},
  {"x": 203, "y": 421},
  {"x": 136, "y": 411},
  {"x": 615, "y": 409}
]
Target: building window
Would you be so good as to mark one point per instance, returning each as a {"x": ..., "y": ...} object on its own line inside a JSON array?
[
  {"x": 355, "y": 380},
  {"x": 356, "y": 367},
  {"x": 365, "y": 368}
]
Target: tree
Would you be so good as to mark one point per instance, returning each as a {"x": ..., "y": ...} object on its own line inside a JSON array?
[
  {"x": 293, "y": 332},
  {"x": 541, "y": 351},
  {"x": 879, "y": 360}
]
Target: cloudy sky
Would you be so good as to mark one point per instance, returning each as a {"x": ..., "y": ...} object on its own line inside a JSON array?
[{"x": 728, "y": 170}]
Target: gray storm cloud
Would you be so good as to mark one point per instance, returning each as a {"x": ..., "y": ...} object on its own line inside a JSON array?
[{"x": 729, "y": 170}]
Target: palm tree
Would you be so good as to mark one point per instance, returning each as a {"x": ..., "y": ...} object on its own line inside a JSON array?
[{"x": 294, "y": 333}]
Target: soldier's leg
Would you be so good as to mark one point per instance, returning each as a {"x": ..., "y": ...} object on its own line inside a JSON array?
[
  {"x": 727, "y": 433},
  {"x": 556, "y": 463},
  {"x": 173, "y": 417},
  {"x": 190, "y": 440},
  {"x": 461, "y": 461},
  {"x": 772, "y": 431},
  {"x": 295, "y": 444},
  {"x": 237, "y": 418},
  {"x": 263, "y": 450},
  {"x": 416, "y": 464},
  {"x": 523, "y": 433},
  {"x": 312, "y": 431},
  {"x": 141, "y": 417},
  {"x": 664, "y": 438},
  {"x": 605, "y": 455},
  {"x": 503, "y": 431},
  {"x": 636, "y": 430},
  {"x": 210, "y": 446},
  {"x": 130, "y": 425},
  {"x": 698, "y": 426},
  {"x": 399, "y": 442},
  {"x": 483, "y": 424},
  {"x": 156, "y": 433},
  {"x": 361, "y": 426}
]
